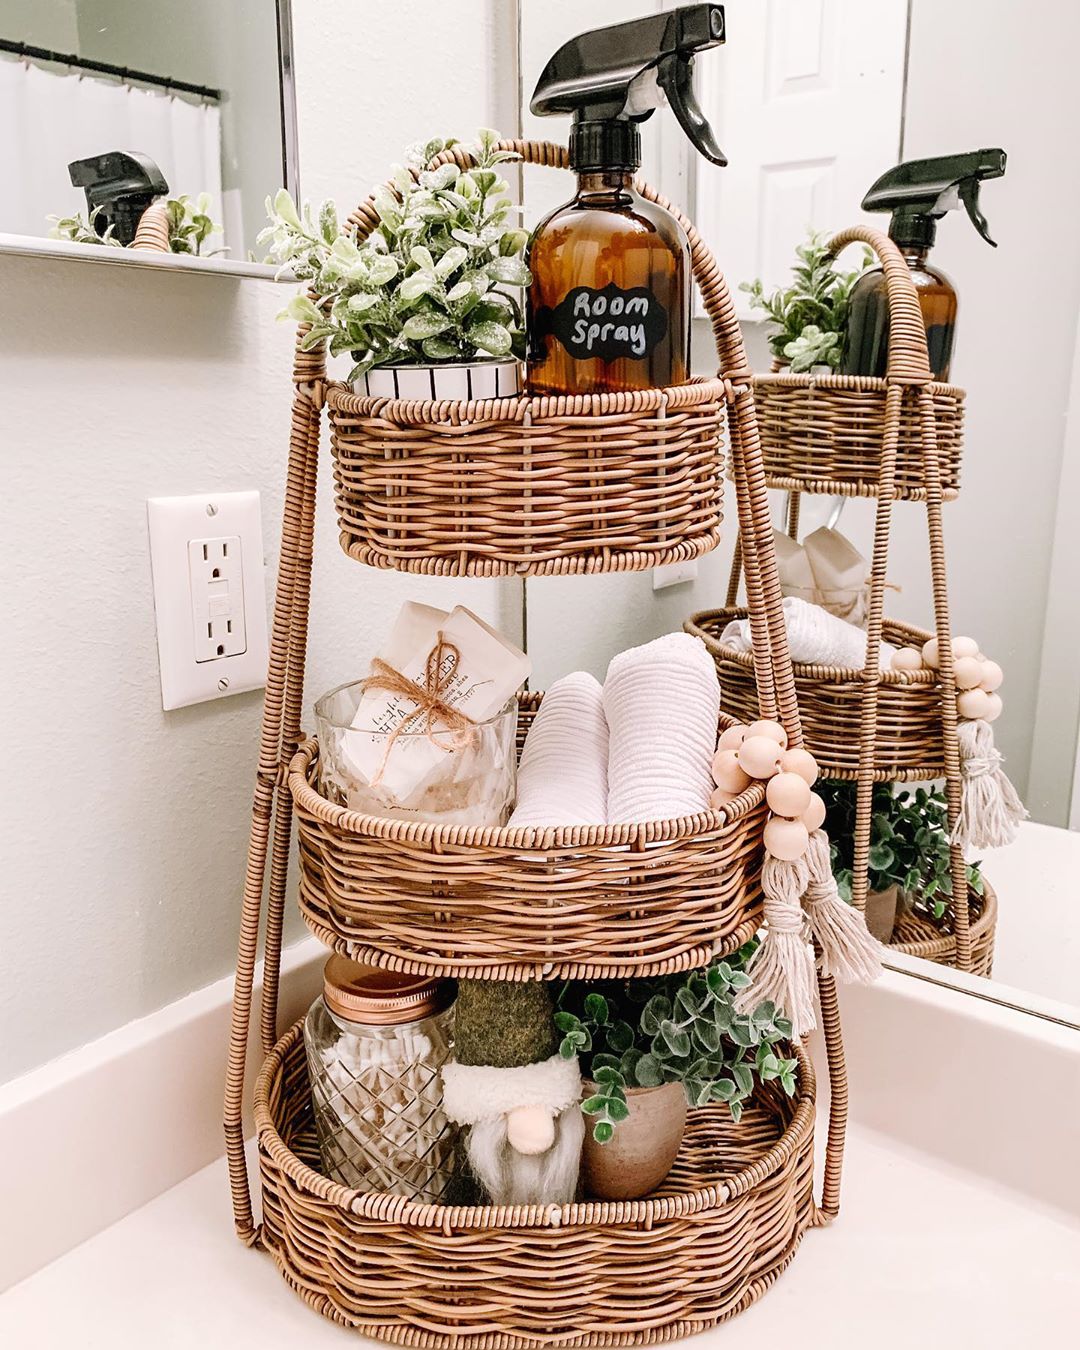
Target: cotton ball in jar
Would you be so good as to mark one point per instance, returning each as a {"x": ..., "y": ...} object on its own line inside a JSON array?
[
  {"x": 992, "y": 676},
  {"x": 767, "y": 727},
  {"x": 732, "y": 737},
  {"x": 800, "y": 761},
  {"x": 786, "y": 839},
  {"x": 907, "y": 658},
  {"x": 973, "y": 703},
  {"x": 964, "y": 646},
  {"x": 814, "y": 815},
  {"x": 728, "y": 774},
  {"x": 788, "y": 794},
  {"x": 759, "y": 756},
  {"x": 967, "y": 672},
  {"x": 994, "y": 706}
]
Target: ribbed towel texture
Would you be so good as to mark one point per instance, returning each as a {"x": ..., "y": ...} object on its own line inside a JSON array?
[
  {"x": 815, "y": 637},
  {"x": 662, "y": 702},
  {"x": 562, "y": 778}
]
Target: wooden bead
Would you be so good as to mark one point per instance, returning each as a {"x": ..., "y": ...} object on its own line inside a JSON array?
[
  {"x": 732, "y": 738},
  {"x": 930, "y": 654},
  {"x": 802, "y": 762},
  {"x": 759, "y": 756},
  {"x": 994, "y": 706},
  {"x": 720, "y": 797},
  {"x": 767, "y": 727},
  {"x": 992, "y": 676},
  {"x": 785, "y": 839},
  {"x": 788, "y": 795},
  {"x": 814, "y": 815},
  {"x": 973, "y": 703},
  {"x": 967, "y": 672},
  {"x": 727, "y": 774},
  {"x": 907, "y": 658},
  {"x": 964, "y": 646}
]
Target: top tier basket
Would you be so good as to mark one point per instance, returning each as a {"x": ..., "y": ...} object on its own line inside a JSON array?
[
  {"x": 523, "y": 903},
  {"x": 532, "y": 486},
  {"x": 826, "y": 433}
]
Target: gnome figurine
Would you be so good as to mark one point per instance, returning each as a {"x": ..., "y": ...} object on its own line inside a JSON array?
[{"x": 518, "y": 1099}]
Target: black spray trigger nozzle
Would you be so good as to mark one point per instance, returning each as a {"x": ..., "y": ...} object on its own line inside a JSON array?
[
  {"x": 969, "y": 195},
  {"x": 675, "y": 76}
]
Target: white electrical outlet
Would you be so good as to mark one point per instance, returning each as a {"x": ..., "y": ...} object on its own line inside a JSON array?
[
  {"x": 673, "y": 574},
  {"x": 209, "y": 594}
]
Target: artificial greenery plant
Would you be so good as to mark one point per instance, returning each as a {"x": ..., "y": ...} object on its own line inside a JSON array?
[
  {"x": 808, "y": 319},
  {"x": 909, "y": 842},
  {"x": 429, "y": 284},
  {"x": 190, "y": 226},
  {"x": 674, "y": 1029}
]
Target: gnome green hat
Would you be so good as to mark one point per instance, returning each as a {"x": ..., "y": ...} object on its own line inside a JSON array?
[{"x": 517, "y": 1096}]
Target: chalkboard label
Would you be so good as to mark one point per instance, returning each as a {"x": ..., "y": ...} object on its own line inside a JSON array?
[{"x": 609, "y": 323}]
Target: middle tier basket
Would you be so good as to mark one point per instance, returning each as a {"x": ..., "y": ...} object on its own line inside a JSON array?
[{"x": 600, "y": 484}]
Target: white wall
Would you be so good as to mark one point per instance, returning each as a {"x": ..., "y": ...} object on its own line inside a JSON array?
[{"x": 125, "y": 827}]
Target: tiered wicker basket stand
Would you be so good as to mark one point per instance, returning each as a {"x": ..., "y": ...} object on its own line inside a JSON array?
[
  {"x": 490, "y": 488},
  {"x": 891, "y": 439}
]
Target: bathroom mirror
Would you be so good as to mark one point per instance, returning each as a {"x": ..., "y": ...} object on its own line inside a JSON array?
[
  {"x": 811, "y": 102},
  {"x": 202, "y": 90}
]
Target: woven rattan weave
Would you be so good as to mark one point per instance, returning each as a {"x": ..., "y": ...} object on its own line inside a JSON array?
[
  {"x": 908, "y": 738},
  {"x": 724, "y": 1224},
  {"x": 520, "y": 905},
  {"x": 891, "y": 439}
]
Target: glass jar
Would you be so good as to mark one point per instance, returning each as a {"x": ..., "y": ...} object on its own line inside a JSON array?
[
  {"x": 468, "y": 784},
  {"x": 376, "y": 1042}
]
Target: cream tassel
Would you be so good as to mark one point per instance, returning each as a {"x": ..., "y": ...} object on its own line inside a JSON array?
[
  {"x": 848, "y": 950},
  {"x": 990, "y": 809},
  {"x": 781, "y": 971}
]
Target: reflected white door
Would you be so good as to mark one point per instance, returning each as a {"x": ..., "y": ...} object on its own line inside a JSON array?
[{"x": 806, "y": 97}]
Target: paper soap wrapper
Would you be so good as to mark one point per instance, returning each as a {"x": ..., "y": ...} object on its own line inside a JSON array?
[{"x": 490, "y": 670}]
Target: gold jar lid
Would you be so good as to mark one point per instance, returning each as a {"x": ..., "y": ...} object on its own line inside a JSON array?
[{"x": 367, "y": 994}]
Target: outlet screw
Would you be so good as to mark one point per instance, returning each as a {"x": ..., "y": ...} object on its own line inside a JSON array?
[
  {"x": 211, "y": 509},
  {"x": 223, "y": 683}
]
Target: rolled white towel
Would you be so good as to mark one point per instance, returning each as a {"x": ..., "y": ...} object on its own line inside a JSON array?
[
  {"x": 562, "y": 778},
  {"x": 662, "y": 702},
  {"x": 815, "y": 637}
]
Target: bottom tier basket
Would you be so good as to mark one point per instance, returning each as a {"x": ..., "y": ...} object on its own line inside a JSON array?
[
  {"x": 916, "y": 934},
  {"x": 717, "y": 1234}
]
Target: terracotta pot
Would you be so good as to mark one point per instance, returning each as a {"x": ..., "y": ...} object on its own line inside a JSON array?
[
  {"x": 881, "y": 911},
  {"x": 644, "y": 1148}
]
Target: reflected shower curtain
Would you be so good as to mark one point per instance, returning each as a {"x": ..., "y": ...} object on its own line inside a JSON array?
[{"x": 50, "y": 116}]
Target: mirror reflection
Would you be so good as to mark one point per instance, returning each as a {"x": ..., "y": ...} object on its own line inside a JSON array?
[
  {"x": 118, "y": 106},
  {"x": 812, "y": 110}
]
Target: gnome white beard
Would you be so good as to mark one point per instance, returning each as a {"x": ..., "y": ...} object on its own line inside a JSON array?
[{"x": 513, "y": 1178}]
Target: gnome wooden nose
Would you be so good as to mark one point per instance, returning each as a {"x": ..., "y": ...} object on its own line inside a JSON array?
[{"x": 530, "y": 1129}]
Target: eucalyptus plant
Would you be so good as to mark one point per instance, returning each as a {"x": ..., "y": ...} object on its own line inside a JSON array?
[
  {"x": 436, "y": 279},
  {"x": 909, "y": 842},
  {"x": 809, "y": 318},
  {"x": 676, "y": 1029}
]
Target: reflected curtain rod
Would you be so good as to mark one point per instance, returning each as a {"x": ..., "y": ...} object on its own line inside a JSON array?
[{"x": 24, "y": 49}]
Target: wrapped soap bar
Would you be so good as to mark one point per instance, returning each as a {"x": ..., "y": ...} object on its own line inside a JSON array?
[{"x": 438, "y": 677}]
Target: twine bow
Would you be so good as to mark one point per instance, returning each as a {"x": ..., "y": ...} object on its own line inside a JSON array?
[{"x": 432, "y": 709}]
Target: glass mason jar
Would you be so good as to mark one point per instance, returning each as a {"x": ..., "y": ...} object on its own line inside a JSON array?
[
  {"x": 376, "y": 1042},
  {"x": 472, "y": 783}
]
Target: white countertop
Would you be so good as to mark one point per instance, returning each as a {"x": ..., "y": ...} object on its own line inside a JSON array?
[{"x": 923, "y": 1255}]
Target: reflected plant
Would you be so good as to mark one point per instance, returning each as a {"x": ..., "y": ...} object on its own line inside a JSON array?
[
  {"x": 675, "y": 1029},
  {"x": 436, "y": 279},
  {"x": 190, "y": 226},
  {"x": 77, "y": 229}
]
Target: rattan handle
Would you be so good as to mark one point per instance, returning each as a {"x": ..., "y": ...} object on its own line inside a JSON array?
[{"x": 908, "y": 360}]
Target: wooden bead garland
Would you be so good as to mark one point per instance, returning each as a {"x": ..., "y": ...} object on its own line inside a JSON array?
[
  {"x": 976, "y": 677},
  {"x": 759, "y": 751}
]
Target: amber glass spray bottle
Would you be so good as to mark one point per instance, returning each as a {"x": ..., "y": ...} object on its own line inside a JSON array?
[{"x": 609, "y": 305}]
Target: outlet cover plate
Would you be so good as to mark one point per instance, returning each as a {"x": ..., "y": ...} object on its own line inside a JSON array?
[{"x": 206, "y": 554}]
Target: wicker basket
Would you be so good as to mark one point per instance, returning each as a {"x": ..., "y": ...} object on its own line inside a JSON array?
[
  {"x": 524, "y": 903},
  {"x": 599, "y": 483},
  {"x": 909, "y": 742},
  {"x": 917, "y": 934},
  {"x": 573, "y": 902},
  {"x": 725, "y": 1223},
  {"x": 829, "y": 433}
]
